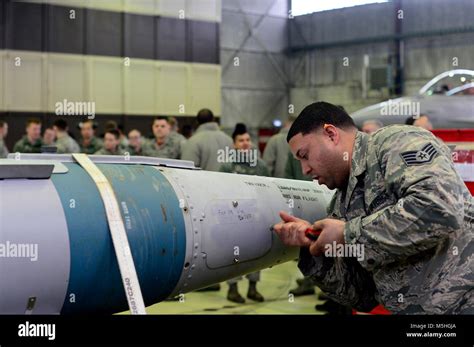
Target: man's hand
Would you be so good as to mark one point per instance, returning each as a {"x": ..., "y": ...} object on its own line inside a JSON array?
[
  {"x": 291, "y": 230},
  {"x": 331, "y": 230}
]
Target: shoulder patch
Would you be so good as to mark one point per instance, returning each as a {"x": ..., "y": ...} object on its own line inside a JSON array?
[{"x": 423, "y": 156}]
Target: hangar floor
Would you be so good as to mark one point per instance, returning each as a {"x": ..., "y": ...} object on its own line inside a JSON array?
[{"x": 274, "y": 286}]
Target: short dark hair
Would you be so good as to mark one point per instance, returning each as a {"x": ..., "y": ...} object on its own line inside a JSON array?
[
  {"x": 61, "y": 124},
  {"x": 240, "y": 129},
  {"x": 161, "y": 118},
  {"x": 111, "y": 124},
  {"x": 2, "y": 123},
  {"x": 114, "y": 132},
  {"x": 205, "y": 116},
  {"x": 316, "y": 115},
  {"x": 90, "y": 121},
  {"x": 410, "y": 120},
  {"x": 32, "y": 121}
]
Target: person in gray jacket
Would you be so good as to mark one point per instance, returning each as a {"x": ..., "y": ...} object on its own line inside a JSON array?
[
  {"x": 277, "y": 150},
  {"x": 3, "y": 133},
  {"x": 204, "y": 146},
  {"x": 64, "y": 142}
]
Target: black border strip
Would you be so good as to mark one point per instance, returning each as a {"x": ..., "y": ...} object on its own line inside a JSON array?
[{"x": 315, "y": 330}]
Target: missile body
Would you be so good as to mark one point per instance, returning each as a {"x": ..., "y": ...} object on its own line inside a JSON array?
[{"x": 187, "y": 229}]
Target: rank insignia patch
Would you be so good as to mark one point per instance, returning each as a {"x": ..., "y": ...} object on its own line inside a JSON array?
[{"x": 423, "y": 156}]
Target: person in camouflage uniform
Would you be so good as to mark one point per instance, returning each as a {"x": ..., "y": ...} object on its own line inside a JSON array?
[
  {"x": 3, "y": 133},
  {"x": 245, "y": 166},
  {"x": 64, "y": 142},
  {"x": 88, "y": 142},
  {"x": 136, "y": 143},
  {"x": 111, "y": 143},
  {"x": 31, "y": 142},
  {"x": 401, "y": 199},
  {"x": 164, "y": 145}
]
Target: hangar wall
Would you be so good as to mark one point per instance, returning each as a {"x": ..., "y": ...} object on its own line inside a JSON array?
[
  {"x": 255, "y": 74},
  {"x": 434, "y": 32},
  {"x": 134, "y": 59}
]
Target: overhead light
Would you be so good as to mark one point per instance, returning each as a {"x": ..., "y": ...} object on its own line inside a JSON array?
[
  {"x": 277, "y": 123},
  {"x": 463, "y": 79}
]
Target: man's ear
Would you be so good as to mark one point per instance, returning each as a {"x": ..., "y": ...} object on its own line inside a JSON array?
[{"x": 332, "y": 132}]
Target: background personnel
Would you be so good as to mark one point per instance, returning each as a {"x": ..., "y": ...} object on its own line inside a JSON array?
[
  {"x": 243, "y": 143},
  {"x": 111, "y": 143},
  {"x": 89, "y": 143},
  {"x": 31, "y": 142},
  {"x": 3, "y": 133},
  {"x": 203, "y": 147},
  {"x": 64, "y": 142}
]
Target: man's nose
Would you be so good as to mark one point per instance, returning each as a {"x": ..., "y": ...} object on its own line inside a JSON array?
[{"x": 305, "y": 168}]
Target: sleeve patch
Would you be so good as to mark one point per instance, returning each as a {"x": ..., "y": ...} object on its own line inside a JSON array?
[{"x": 423, "y": 156}]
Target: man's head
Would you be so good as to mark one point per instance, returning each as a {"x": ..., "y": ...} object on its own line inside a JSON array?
[
  {"x": 371, "y": 126},
  {"x": 111, "y": 124},
  {"x": 161, "y": 127},
  {"x": 135, "y": 138},
  {"x": 173, "y": 124},
  {"x": 241, "y": 137},
  {"x": 49, "y": 136},
  {"x": 322, "y": 138},
  {"x": 3, "y": 129},
  {"x": 205, "y": 116},
  {"x": 60, "y": 126},
  {"x": 423, "y": 122},
  {"x": 111, "y": 140},
  {"x": 33, "y": 129},
  {"x": 87, "y": 129}
]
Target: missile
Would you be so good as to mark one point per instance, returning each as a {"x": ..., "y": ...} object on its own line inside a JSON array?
[{"x": 186, "y": 229}]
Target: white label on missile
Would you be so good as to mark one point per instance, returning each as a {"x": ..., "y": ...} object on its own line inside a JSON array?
[{"x": 225, "y": 212}]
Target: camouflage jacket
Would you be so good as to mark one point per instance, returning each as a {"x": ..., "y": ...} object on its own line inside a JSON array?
[
  {"x": 171, "y": 148},
  {"x": 133, "y": 151},
  {"x": 94, "y": 145},
  {"x": 104, "y": 151},
  {"x": 244, "y": 168},
  {"x": 412, "y": 213},
  {"x": 24, "y": 146}
]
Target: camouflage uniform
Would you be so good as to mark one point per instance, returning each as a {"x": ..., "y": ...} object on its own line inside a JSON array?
[
  {"x": 132, "y": 151},
  {"x": 245, "y": 168},
  {"x": 94, "y": 145},
  {"x": 179, "y": 136},
  {"x": 104, "y": 151},
  {"x": 409, "y": 208},
  {"x": 171, "y": 148},
  {"x": 3, "y": 149},
  {"x": 24, "y": 146},
  {"x": 66, "y": 144}
]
